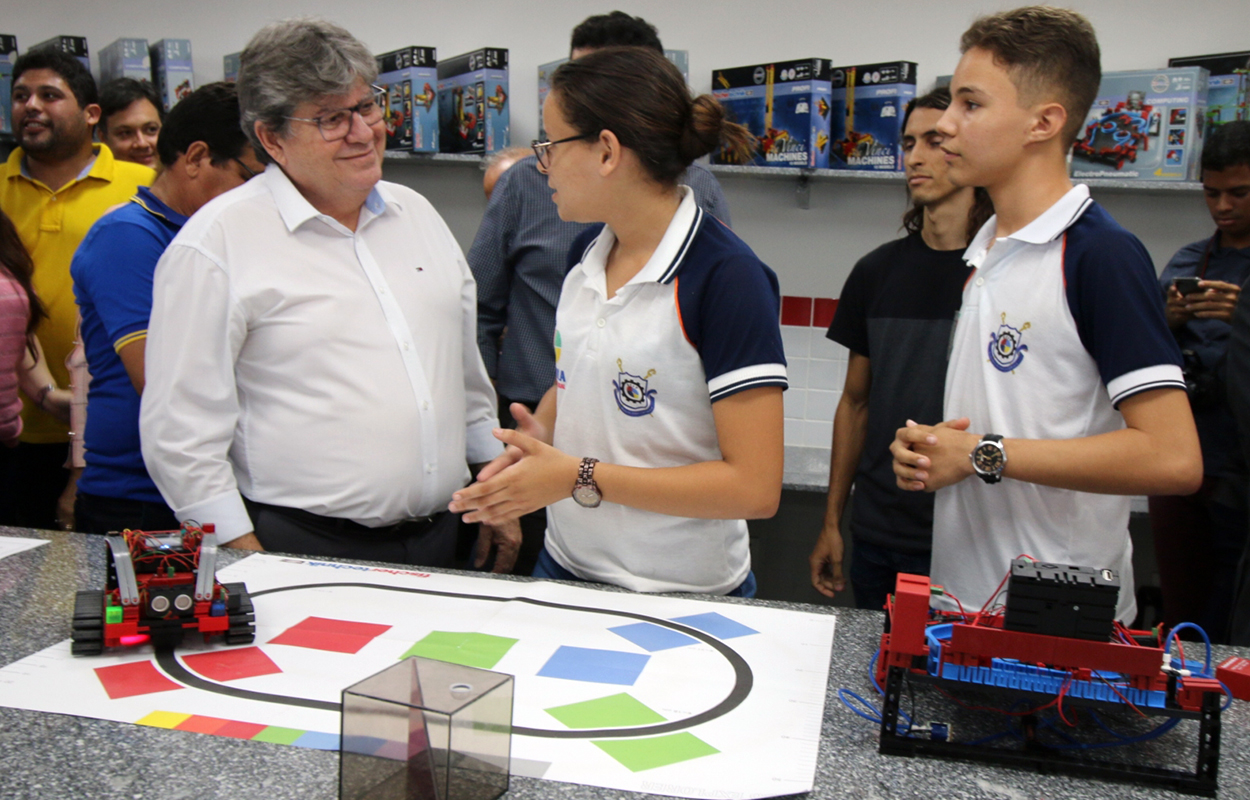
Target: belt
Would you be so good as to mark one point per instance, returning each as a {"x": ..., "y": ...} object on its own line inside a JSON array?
[{"x": 403, "y": 529}]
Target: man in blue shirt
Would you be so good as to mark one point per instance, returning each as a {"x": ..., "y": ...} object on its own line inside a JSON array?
[
  {"x": 204, "y": 154},
  {"x": 1199, "y": 538}
]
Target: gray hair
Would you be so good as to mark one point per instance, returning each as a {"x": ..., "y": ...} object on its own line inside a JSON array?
[{"x": 295, "y": 61}]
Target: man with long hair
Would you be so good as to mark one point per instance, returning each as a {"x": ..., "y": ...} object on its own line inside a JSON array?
[{"x": 895, "y": 316}]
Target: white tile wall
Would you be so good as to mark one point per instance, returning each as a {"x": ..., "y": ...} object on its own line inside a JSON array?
[{"x": 817, "y": 370}]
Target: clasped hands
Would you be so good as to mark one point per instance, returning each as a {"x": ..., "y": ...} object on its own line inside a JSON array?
[
  {"x": 531, "y": 474},
  {"x": 932, "y": 457}
]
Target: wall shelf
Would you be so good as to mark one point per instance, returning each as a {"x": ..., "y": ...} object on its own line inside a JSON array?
[
  {"x": 807, "y": 175},
  {"x": 434, "y": 159}
]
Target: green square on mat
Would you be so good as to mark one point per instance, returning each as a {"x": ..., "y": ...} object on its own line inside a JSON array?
[
  {"x": 614, "y": 711},
  {"x": 640, "y": 754},
  {"x": 469, "y": 649},
  {"x": 278, "y": 735}
]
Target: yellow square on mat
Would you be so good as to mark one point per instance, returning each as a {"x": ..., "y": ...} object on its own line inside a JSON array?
[{"x": 164, "y": 719}]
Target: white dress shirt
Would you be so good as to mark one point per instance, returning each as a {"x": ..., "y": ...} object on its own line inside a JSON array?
[{"x": 303, "y": 365}]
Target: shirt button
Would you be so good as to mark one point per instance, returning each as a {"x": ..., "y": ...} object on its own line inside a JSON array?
[
  {"x": 980, "y": 281},
  {"x": 429, "y": 468},
  {"x": 601, "y": 322},
  {"x": 405, "y": 345},
  {"x": 425, "y": 406}
]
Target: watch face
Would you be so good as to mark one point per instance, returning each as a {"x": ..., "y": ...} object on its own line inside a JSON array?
[
  {"x": 988, "y": 458},
  {"x": 587, "y": 496}
]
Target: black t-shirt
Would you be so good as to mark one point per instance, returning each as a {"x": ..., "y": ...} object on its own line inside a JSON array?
[{"x": 898, "y": 309}]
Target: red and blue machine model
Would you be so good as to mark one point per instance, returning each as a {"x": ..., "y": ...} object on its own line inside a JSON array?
[
  {"x": 955, "y": 651},
  {"x": 161, "y": 584}
]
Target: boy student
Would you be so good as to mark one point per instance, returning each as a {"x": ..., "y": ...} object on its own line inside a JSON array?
[
  {"x": 1062, "y": 362},
  {"x": 895, "y": 316}
]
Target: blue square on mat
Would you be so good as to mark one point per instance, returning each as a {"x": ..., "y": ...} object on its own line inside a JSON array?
[
  {"x": 316, "y": 740},
  {"x": 719, "y": 626},
  {"x": 652, "y": 637},
  {"x": 594, "y": 666}
]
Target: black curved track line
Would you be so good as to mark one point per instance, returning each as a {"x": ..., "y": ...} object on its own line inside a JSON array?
[{"x": 744, "y": 679}]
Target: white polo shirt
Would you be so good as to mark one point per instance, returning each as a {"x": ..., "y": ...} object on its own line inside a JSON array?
[
  {"x": 636, "y": 376},
  {"x": 1061, "y": 321}
]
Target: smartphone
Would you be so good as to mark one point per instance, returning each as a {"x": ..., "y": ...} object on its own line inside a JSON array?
[{"x": 1186, "y": 285}]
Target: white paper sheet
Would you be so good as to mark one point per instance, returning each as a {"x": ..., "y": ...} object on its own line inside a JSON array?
[
  {"x": 758, "y": 682},
  {"x": 12, "y": 545}
]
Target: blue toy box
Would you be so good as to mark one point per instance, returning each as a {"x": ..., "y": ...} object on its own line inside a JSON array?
[
  {"x": 8, "y": 54},
  {"x": 785, "y": 105},
  {"x": 473, "y": 110},
  {"x": 869, "y": 101},
  {"x": 74, "y": 45},
  {"x": 172, "y": 74},
  {"x": 1144, "y": 125},
  {"x": 230, "y": 67},
  {"x": 1228, "y": 89},
  {"x": 544, "y": 88},
  {"x": 409, "y": 76},
  {"x": 126, "y": 58}
]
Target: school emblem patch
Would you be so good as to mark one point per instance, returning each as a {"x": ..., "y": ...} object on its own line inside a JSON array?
[
  {"x": 1007, "y": 348},
  {"x": 631, "y": 392}
]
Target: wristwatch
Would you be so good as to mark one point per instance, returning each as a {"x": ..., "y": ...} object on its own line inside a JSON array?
[
  {"x": 586, "y": 492},
  {"x": 989, "y": 458}
]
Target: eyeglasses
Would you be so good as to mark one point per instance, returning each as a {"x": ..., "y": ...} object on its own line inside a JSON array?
[
  {"x": 542, "y": 150},
  {"x": 251, "y": 173},
  {"x": 335, "y": 125}
]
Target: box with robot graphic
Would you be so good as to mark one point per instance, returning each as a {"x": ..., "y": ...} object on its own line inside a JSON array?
[
  {"x": 75, "y": 46},
  {"x": 230, "y": 64},
  {"x": 1228, "y": 89},
  {"x": 126, "y": 58},
  {"x": 172, "y": 74},
  {"x": 410, "y": 75},
  {"x": 8, "y": 55},
  {"x": 869, "y": 101},
  {"x": 1144, "y": 125},
  {"x": 785, "y": 105},
  {"x": 473, "y": 111}
]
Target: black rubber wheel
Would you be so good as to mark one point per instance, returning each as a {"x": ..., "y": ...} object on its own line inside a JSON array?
[
  {"x": 242, "y": 628},
  {"x": 87, "y": 636}
]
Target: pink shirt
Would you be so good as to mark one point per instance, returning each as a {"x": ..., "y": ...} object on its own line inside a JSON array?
[{"x": 14, "y": 314}]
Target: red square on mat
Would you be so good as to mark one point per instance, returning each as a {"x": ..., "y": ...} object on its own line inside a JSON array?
[
  {"x": 129, "y": 680},
  {"x": 198, "y": 724},
  {"x": 796, "y": 311},
  {"x": 823, "y": 310},
  {"x": 232, "y": 665},
  {"x": 335, "y": 635},
  {"x": 239, "y": 730}
]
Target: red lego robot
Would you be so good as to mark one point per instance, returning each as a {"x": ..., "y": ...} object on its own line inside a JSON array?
[{"x": 161, "y": 584}]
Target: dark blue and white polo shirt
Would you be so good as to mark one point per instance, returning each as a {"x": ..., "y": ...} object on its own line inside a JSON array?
[
  {"x": 1061, "y": 322},
  {"x": 636, "y": 377}
]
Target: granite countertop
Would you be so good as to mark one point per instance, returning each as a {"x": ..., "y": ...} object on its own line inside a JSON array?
[
  {"x": 55, "y": 756},
  {"x": 807, "y": 469}
]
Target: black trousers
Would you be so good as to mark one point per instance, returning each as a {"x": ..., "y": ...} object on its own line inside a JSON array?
[
  {"x": 32, "y": 478},
  {"x": 429, "y": 543},
  {"x": 96, "y": 514}
]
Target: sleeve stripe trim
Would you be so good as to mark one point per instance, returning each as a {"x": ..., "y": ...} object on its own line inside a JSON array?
[
  {"x": 1145, "y": 387},
  {"x": 685, "y": 246},
  {"x": 752, "y": 383},
  {"x": 747, "y": 373},
  {"x": 129, "y": 338}
]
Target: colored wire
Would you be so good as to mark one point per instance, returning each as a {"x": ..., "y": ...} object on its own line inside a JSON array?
[
  {"x": 872, "y": 673},
  {"x": 1205, "y": 639},
  {"x": 843, "y": 694}
]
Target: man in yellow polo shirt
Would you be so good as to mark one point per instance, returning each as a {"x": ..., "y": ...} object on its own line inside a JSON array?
[{"x": 54, "y": 187}]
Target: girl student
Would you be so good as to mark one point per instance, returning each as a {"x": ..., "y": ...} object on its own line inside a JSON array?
[{"x": 663, "y": 432}]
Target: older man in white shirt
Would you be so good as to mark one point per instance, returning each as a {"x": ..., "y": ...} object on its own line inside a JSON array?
[{"x": 313, "y": 379}]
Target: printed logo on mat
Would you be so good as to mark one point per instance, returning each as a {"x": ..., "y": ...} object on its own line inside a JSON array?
[
  {"x": 633, "y": 396},
  {"x": 1007, "y": 347}
]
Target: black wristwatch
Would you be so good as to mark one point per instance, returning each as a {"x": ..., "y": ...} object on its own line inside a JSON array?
[
  {"x": 586, "y": 492},
  {"x": 989, "y": 458}
]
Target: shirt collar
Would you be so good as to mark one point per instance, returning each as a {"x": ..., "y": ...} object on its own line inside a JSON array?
[
  {"x": 1052, "y": 224},
  {"x": 668, "y": 257},
  {"x": 99, "y": 166},
  {"x": 295, "y": 209},
  {"x": 152, "y": 204}
]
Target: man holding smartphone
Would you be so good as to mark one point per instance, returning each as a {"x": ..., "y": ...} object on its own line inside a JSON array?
[{"x": 1199, "y": 538}]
